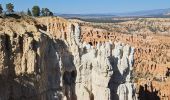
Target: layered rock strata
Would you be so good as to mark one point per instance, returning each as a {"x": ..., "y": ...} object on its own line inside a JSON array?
[
  {"x": 151, "y": 64},
  {"x": 151, "y": 54},
  {"x": 152, "y": 59},
  {"x": 42, "y": 63},
  {"x": 98, "y": 69}
]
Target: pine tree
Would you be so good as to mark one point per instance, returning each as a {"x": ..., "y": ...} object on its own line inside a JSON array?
[
  {"x": 29, "y": 12},
  {"x": 51, "y": 13},
  {"x": 43, "y": 12},
  {"x": 46, "y": 12},
  {"x": 36, "y": 11},
  {"x": 10, "y": 7},
  {"x": 1, "y": 9}
]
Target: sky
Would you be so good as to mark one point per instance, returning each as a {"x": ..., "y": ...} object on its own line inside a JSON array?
[{"x": 89, "y": 6}]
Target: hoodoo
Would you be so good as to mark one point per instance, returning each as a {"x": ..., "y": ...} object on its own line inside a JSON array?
[{"x": 51, "y": 58}]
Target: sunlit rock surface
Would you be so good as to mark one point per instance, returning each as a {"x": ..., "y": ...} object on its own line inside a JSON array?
[
  {"x": 150, "y": 38},
  {"x": 50, "y": 58}
]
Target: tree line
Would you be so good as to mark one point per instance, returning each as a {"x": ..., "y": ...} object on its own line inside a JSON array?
[{"x": 35, "y": 11}]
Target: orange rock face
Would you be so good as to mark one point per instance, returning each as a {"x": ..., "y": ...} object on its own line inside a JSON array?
[
  {"x": 152, "y": 56},
  {"x": 55, "y": 26},
  {"x": 151, "y": 40}
]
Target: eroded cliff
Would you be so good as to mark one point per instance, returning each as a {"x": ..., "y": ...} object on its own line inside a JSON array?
[
  {"x": 152, "y": 59},
  {"x": 103, "y": 72},
  {"x": 45, "y": 59},
  {"x": 51, "y": 58}
]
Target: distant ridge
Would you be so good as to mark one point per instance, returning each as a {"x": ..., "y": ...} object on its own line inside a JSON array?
[
  {"x": 86, "y": 15},
  {"x": 155, "y": 12},
  {"x": 143, "y": 13}
]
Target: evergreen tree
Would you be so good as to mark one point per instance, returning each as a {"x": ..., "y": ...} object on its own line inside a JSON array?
[
  {"x": 36, "y": 11},
  {"x": 51, "y": 14},
  {"x": 1, "y": 9},
  {"x": 46, "y": 12},
  {"x": 29, "y": 12},
  {"x": 10, "y": 7},
  {"x": 43, "y": 12}
]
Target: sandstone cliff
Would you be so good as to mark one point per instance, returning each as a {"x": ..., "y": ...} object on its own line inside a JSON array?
[
  {"x": 51, "y": 58},
  {"x": 44, "y": 59},
  {"x": 103, "y": 73},
  {"x": 152, "y": 59}
]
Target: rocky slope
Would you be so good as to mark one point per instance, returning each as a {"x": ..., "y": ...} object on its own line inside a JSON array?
[
  {"x": 144, "y": 26},
  {"x": 152, "y": 59},
  {"x": 101, "y": 72},
  {"x": 51, "y": 58},
  {"x": 44, "y": 59}
]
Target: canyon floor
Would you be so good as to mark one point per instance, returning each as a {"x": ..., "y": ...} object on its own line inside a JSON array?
[{"x": 51, "y": 58}]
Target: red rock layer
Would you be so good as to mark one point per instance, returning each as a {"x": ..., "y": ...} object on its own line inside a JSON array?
[
  {"x": 152, "y": 51},
  {"x": 152, "y": 56},
  {"x": 55, "y": 25}
]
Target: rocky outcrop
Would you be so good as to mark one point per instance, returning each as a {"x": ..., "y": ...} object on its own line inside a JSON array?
[
  {"x": 43, "y": 63},
  {"x": 105, "y": 73},
  {"x": 94, "y": 75},
  {"x": 31, "y": 67},
  {"x": 50, "y": 58},
  {"x": 151, "y": 54}
]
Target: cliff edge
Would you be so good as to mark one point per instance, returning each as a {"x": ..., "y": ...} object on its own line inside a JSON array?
[{"x": 45, "y": 59}]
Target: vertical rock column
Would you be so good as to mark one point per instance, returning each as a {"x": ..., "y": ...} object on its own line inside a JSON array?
[{"x": 104, "y": 72}]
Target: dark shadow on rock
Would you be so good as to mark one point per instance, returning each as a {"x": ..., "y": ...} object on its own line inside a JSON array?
[
  {"x": 13, "y": 87},
  {"x": 17, "y": 89},
  {"x": 145, "y": 94},
  {"x": 16, "y": 16},
  {"x": 26, "y": 86},
  {"x": 168, "y": 72},
  {"x": 70, "y": 73},
  {"x": 115, "y": 80}
]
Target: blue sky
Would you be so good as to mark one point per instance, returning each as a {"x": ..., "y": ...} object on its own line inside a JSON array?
[{"x": 90, "y": 6}]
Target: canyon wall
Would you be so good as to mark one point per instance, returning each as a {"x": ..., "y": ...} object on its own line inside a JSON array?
[
  {"x": 29, "y": 62},
  {"x": 152, "y": 59},
  {"x": 103, "y": 72},
  {"x": 44, "y": 59},
  {"x": 51, "y": 58}
]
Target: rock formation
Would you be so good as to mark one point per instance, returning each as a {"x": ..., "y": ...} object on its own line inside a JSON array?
[
  {"x": 98, "y": 69},
  {"x": 151, "y": 56},
  {"x": 105, "y": 72},
  {"x": 51, "y": 58},
  {"x": 29, "y": 62},
  {"x": 48, "y": 61}
]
